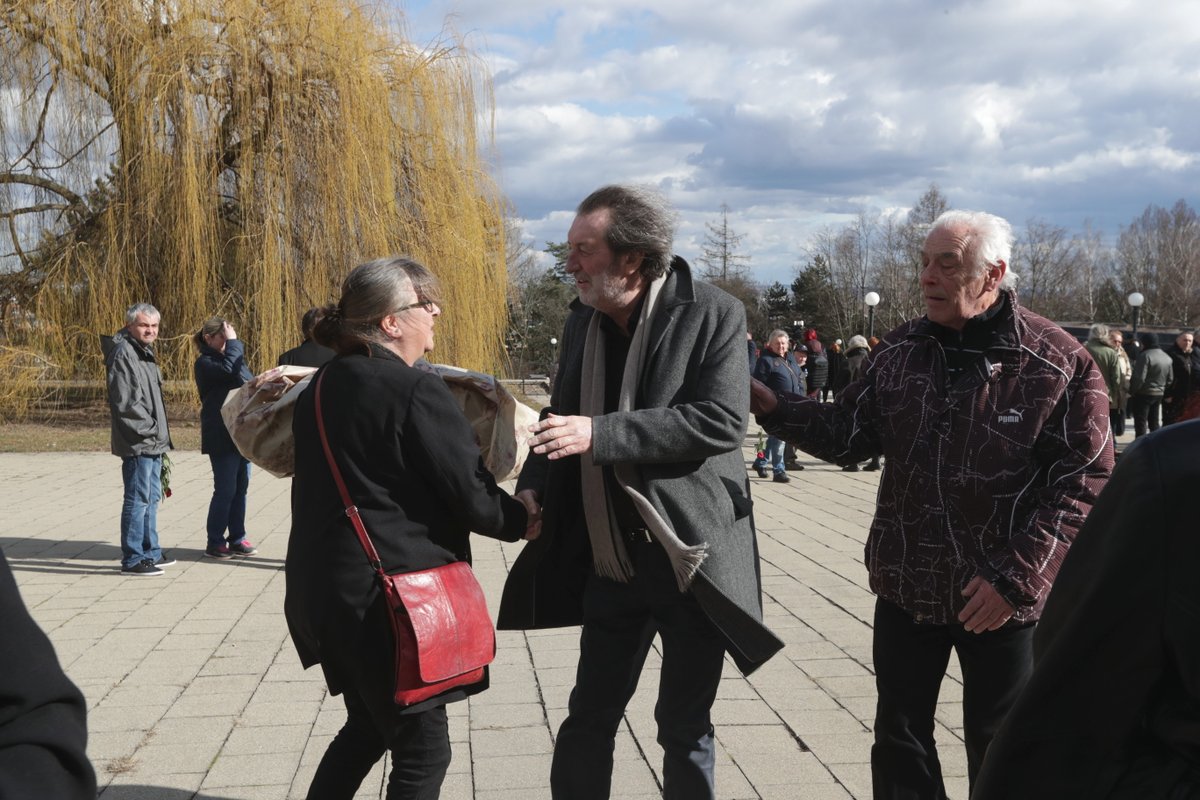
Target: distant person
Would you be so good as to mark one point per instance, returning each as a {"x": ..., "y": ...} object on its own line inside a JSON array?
[
  {"x": 43, "y": 717},
  {"x": 994, "y": 422},
  {"x": 1186, "y": 377},
  {"x": 1152, "y": 377},
  {"x": 140, "y": 436},
  {"x": 839, "y": 371},
  {"x": 1112, "y": 709},
  {"x": 219, "y": 369},
  {"x": 856, "y": 366},
  {"x": 1102, "y": 350},
  {"x": 799, "y": 361},
  {"x": 309, "y": 353},
  {"x": 818, "y": 369},
  {"x": 776, "y": 371},
  {"x": 1117, "y": 340}
]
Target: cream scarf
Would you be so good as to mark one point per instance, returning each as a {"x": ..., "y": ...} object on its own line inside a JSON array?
[{"x": 609, "y": 553}]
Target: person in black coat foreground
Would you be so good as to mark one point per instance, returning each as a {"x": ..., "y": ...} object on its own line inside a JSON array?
[
  {"x": 43, "y": 719},
  {"x": 412, "y": 467},
  {"x": 1112, "y": 710}
]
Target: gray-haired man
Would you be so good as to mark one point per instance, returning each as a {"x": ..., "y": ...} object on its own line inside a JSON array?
[
  {"x": 646, "y": 527},
  {"x": 994, "y": 424},
  {"x": 139, "y": 436}
]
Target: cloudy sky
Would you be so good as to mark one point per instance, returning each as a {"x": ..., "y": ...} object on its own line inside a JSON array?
[{"x": 797, "y": 114}]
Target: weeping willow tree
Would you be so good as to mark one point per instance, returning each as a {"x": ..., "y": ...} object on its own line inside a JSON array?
[{"x": 232, "y": 157}]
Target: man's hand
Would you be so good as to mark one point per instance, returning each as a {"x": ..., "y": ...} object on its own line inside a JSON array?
[
  {"x": 533, "y": 509},
  {"x": 986, "y": 610},
  {"x": 558, "y": 437},
  {"x": 762, "y": 399}
]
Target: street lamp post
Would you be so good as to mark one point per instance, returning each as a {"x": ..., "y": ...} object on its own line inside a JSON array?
[
  {"x": 872, "y": 300},
  {"x": 1135, "y": 300}
]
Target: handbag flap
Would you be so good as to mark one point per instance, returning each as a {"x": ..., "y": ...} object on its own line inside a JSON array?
[{"x": 450, "y": 620}]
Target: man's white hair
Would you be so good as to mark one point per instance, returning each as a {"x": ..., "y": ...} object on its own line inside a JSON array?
[{"x": 990, "y": 240}]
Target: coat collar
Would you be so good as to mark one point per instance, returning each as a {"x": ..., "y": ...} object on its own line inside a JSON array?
[{"x": 1007, "y": 334}]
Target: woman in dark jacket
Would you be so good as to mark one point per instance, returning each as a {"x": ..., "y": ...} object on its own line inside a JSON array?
[
  {"x": 412, "y": 467},
  {"x": 220, "y": 368}
]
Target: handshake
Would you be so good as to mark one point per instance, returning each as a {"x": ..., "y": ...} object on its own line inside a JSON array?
[{"x": 528, "y": 498}]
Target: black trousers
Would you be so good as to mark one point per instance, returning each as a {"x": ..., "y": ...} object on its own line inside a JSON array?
[
  {"x": 419, "y": 744},
  {"x": 910, "y": 662},
  {"x": 1145, "y": 410},
  {"x": 1116, "y": 419},
  {"x": 619, "y": 624}
]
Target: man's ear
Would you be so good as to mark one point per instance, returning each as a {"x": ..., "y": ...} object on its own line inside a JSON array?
[
  {"x": 995, "y": 274},
  {"x": 631, "y": 262}
]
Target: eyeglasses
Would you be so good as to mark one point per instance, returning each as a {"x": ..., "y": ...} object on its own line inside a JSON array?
[{"x": 428, "y": 305}]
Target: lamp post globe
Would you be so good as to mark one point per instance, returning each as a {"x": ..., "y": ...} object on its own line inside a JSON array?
[
  {"x": 1135, "y": 300},
  {"x": 872, "y": 300}
]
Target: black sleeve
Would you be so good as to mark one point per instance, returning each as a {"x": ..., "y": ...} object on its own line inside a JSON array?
[
  {"x": 43, "y": 719},
  {"x": 443, "y": 445}
]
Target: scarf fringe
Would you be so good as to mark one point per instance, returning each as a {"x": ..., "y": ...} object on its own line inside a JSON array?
[{"x": 686, "y": 562}]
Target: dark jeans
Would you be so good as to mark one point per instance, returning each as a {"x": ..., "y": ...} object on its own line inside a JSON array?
[
  {"x": 420, "y": 755},
  {"x": 142, "y": 476},
  {"x": 1145, "y": 410},
  {"x": 227, "y": 509},
  {"x": 619, "y": 623},
  {"x": 910, "y": 662}
]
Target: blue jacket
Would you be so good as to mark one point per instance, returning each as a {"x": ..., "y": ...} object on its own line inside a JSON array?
[
  {"x": 216, "y": 374},
  {"x": 779, "y": 374}
]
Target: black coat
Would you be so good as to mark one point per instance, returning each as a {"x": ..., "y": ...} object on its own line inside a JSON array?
[
  {"x": 1113, "y": 707},
  {"x": 309, "y": 354},
  {"x": 818, "y": 371},
  {"x": 43, "y": 719},
  {"x": 410, "y": 461},
  {"x": 217, "y": 374}
]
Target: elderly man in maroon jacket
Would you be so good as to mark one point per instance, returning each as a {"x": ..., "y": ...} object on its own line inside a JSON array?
[{"x": 994, "y": 424}]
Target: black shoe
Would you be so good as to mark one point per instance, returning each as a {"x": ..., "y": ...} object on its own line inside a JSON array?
[
  {"x": 794, "y": 466},
  {"x": 761, "y": 470},
  {"x": 144, "y": 568},
  {"x": 781, "y": 477},
  {"x": 874, "y": 465},
  {"x": 164, "y": 561},
  {"x": 851, "y": 468}
]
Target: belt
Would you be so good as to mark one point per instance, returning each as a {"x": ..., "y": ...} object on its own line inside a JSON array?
[{"x": 642, "y": 535}]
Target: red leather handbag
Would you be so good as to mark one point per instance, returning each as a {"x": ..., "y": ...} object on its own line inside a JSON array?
[{"x": 442, "y": 631}]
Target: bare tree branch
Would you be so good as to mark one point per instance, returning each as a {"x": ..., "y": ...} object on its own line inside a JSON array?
[{"x": 42, "y": 183}]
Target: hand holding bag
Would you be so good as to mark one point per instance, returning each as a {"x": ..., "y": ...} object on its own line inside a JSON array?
[{"x": 440, "y": 623}]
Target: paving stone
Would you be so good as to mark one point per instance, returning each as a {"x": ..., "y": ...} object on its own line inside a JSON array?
[{"x": 194, "y": 688}]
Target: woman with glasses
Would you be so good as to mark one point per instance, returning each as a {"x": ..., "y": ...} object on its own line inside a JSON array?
[{"x": 411, "y": 465}]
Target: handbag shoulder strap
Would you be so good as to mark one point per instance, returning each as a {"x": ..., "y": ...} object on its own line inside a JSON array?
[{"x": 351, "y": 510}]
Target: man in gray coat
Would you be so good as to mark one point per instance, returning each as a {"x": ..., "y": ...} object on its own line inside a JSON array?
[
  {"x": 646, "y": 505},
  {"x": 139, "y": 436}
]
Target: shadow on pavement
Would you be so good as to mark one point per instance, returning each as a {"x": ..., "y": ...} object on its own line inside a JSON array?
[
  {"x": 136, "y": 792},
  {"x": 105, "y": 557}
]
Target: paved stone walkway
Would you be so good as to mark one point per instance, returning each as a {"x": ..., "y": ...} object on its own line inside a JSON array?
[{"x": 194, "y": 689}]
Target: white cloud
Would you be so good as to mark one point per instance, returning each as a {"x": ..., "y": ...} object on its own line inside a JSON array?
[{"x": 798, "y": 112}]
